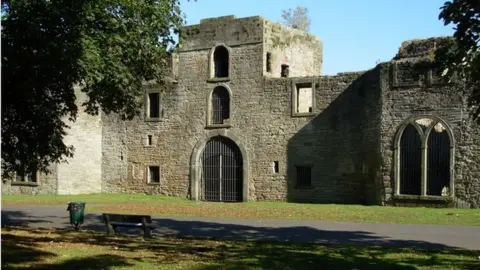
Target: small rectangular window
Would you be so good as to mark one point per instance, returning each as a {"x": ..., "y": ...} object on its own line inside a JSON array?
[
  {"x": 276, "y": 168},
  {"x": 154, "y": 105},
  {"x": 31, "y": 177},
  {"x": 154, "y": 174},
  {"x": 304, "y": 98},
  {"x": 285, "y": 71},
  {"x": 28, "y": 176},
  {"x": 304, "y": 176}
]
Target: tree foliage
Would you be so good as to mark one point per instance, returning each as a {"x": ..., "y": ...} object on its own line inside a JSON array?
[
  {"x": 297, "y": 18},
  {"x": 108, "y": 47},
  {"x": 463, "y": 54}
]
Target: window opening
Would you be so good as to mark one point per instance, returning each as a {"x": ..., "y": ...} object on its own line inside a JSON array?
[
  {"x": 438, "y": 162},
  {"x": 304, "y": 176},
  {"x": 149, "y": 139},
  {"x": 154, "y": 105},
  {"x": 220, "y": 105},
  {"x": 269, "y": 62},
  {"x": 275, "y": 167},
  {"x": 154, "y": 174},
  {"x": 285, "y": 71},
  {"x": 410, "y": 162},
  {"x": 304, "y": 98},
  {"x": 221, "y": 62}
]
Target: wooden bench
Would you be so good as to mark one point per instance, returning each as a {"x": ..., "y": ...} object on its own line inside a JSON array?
[{"x": 112, "y": 221}]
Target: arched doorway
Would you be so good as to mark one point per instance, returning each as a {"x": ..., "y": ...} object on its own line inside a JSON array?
[{"x": 222, "y": 171}]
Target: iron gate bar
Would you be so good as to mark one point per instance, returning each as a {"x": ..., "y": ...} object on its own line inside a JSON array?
[
  {"x": 410, "y": 162},
  {"x": 220, "y": 177}
]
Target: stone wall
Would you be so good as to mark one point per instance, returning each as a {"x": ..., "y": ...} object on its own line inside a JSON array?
[
  {"x": 467, "y": 181},
  {"x": 409, "y": 92},
  {"x": 183, "y": 125},
  {"x": 347, "y": 138},
  {"x": 226, "y": 29},
  {"x": 83, "y": 172},
  {"x": 47, "y": 184},
  {"x": 339, "y": 142},
  {"x": 301, "y": 51},
  {"x": 262, "y": 123}
]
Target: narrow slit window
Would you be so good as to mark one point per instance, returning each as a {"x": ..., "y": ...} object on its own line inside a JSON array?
[
  {"x": 154, "y": 174},
  {"x": 149, "y": 139},
  {"x": 269, "y": 62}
]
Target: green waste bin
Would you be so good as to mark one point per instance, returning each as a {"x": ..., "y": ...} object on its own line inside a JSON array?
[{"x": 77, "y": 211}]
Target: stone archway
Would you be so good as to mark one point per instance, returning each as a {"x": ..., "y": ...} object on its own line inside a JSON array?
[
  {"x": 197, "y": 166},
  {"x": 222, "y": 171}
]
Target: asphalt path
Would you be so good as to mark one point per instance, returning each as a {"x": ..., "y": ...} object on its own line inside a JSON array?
[{"x": 323, "y": 232}]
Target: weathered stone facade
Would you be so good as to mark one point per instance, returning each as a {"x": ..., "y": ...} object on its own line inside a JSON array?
[{"x": 343, "y": 130}]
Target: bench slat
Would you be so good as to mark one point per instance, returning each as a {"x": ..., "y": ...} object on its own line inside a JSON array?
[
  {"x": 128, "y": 224},
  {"x": 125, "y": 223},
  {"x": 128, "y": 218}
]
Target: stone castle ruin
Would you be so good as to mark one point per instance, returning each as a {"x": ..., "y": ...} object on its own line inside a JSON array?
[{"x": 246, "y": 115}]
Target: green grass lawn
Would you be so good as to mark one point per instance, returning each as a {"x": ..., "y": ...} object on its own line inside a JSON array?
[
  {"x": 30, "y": 248},
  {"x": 173, "y": 206}
]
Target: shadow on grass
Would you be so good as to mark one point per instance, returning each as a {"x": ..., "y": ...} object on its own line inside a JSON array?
[
  {"x": 168, "y": 227},
  {"x": 20, "y": 249},
  {"x": 240, "y": 247},
  {"x": 27, "y": 245}
]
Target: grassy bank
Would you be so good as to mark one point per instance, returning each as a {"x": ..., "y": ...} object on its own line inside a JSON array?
[{"x": 174, "y": 206}]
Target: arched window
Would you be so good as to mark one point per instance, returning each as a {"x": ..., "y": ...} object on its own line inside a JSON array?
[
  {"x": 221, "y": 62},
  {"x": 438, "y": 160},
  {"x": 410, "y": 161},
  {"x": 220, "y": 105},
  {"x": 424, "y": 158}
]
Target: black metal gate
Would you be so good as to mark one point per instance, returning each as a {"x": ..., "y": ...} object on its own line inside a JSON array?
[
  {"x": 222, "y": 171},
  {"x": 438, "y": 159},
  {"x": 410, "y": 162}
]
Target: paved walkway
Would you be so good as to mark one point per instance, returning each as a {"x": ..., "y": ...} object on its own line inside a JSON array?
[{"x": 281, "y": 230}]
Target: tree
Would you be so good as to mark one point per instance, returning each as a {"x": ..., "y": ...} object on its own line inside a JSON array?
[
  {"x": 297, "y": 18},
  {"x": 108, "y": 47},
  {"x": 463, "y": 55}
]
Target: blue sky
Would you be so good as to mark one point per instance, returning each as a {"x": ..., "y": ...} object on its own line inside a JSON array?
[{"x": 355, "y": 33}]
